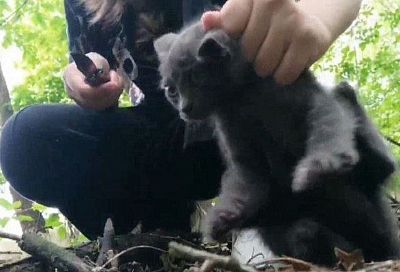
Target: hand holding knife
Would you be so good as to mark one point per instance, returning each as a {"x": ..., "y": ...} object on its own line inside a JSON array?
[
  {"x": 93, "y": 66},
  {"x": 91, "y": 83}
]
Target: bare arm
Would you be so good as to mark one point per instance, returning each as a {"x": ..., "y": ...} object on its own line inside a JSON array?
[{"x": 336, "y": 15}]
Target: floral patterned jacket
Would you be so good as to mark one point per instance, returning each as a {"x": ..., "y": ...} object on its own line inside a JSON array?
[{"x": 128, "y": 45}]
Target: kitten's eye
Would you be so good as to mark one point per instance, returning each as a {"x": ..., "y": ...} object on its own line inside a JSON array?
[{"x": 171, "y": 90}]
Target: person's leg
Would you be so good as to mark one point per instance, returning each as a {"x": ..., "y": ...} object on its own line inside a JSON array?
[{"x": 127, "y": 164}]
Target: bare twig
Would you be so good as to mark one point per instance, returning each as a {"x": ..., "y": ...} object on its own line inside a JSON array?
[
  {"x": 387, "y": 265},
  {"x": 213, "y": 260},
  {"x": 207, "y": 266},
  {"x": 131, "y": 249},
  {"x": 175, "y": 238},
  {"x": 255, "y": 256},
  {"x": 10, "y": 252},
  {"x": 106, "y": 242},
  {"x": 298, "y": 265},
  {"x": 138, "y": 229},
  {"x": 53, "y": 254},
  {"x": 10, "y": 236},
  {"x": 392, "y": 141},
  {"x": 392, "y": 199},
  {"x": 114, "y": 262},
  {"x": 14, "y": 14}
]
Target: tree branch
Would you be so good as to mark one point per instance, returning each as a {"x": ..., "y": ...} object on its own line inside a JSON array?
[
  {"x": 210, "y": 260},
  {"x": 391, "y": 140},
  {"x": 10, "y": 236}
]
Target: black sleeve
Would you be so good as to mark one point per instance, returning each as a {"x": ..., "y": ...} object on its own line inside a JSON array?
[{"x": 84, "y": 37}]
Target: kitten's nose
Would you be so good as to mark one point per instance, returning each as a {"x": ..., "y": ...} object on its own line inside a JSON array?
[{"x": 187, "y": 108}]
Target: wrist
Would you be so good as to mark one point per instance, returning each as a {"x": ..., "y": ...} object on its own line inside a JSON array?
[{"x": 335, "y": 15}]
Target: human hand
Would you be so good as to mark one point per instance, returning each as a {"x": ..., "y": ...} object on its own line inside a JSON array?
[
  {"x": 280, "y": 38},
  {"x": 93, "y": 97}
]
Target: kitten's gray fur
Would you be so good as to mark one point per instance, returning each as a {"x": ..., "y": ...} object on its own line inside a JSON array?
[{"x": 289, "y": 148}]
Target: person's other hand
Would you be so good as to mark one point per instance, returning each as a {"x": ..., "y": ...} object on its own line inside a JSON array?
[
  {"x": 87, "y": 96},
  {"x": 276, "y": 35}
]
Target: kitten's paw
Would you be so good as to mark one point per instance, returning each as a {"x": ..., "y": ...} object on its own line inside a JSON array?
[
  {"x": 220, "y": 221},
  {"x": 311, "y": 169}
]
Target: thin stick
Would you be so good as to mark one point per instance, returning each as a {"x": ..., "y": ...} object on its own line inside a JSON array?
[
  {"x": 378, "y": 266},
  {"x": 296, "y": 263},
  {"x": 393, "y": 141},
  {"x": 131, "y": 249},
  {"x": 106, "y": 242},
  {"x": 191, "y": 254},
  {"x": 10, "y": 253},
  {"x": 255, "y": 256},
  {"x": 53, "y": 254},
  {"x": 10, "y": 236}
]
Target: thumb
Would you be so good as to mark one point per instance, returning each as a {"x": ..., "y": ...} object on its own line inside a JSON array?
[
  {"x": 115, "y": 85},
  {"x": 211, "y": 20}
]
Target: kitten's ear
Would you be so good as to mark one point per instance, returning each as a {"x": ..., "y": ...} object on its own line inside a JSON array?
[
  {"x": 211, "y": 49},
  {"x": 163, "y": 44}
]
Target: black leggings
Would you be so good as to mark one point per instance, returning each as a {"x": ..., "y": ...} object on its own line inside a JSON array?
[{"x": 128, "y": 164}]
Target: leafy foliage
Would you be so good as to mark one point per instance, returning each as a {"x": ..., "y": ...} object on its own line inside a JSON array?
[
  {"x": 38, "y": 28},
  {"x": 368, "y": 54}
]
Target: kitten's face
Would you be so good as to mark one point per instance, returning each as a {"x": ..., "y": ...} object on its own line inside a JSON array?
[{"x": 195, "y": 69}]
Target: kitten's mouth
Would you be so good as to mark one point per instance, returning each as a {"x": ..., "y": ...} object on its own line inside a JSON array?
[
  {"x": 188, "y": 108},
  {"x": 185, "y": 111}
]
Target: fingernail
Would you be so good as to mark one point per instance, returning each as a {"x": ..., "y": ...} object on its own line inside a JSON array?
[{"x": 210, "y": 20}]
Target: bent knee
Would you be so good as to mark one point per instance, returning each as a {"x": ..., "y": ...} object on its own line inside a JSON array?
[
  {"x": 21, "y": 143},
  {"x": 14, "y": 139}
]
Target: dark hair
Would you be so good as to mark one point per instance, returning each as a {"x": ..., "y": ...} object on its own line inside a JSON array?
[{"x": 108, "y": 12}]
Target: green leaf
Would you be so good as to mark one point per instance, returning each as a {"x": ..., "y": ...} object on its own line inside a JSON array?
[
  {"x": 62, "y": 232},
  {"x": 6, "y": 204},
  {"x": 38, "y": 207},
  {"x": 24, "y": 218},
  {"x": 2, "y": 178},
  {"x": 17, "y": 205},
  {"x": 39, "y": 31},
  {"x": 53, "y": 221},
  {"x": 81, "y": 239},
  {"x": 4, "y": 221}
]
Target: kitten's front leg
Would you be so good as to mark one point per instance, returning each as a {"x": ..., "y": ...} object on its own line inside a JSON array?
[
  {"x": 330, "y": 147},
  {"x": 242, "y": 195}
]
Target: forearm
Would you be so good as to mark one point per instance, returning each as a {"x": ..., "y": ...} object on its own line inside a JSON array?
[{"x": 336, "y": 15}]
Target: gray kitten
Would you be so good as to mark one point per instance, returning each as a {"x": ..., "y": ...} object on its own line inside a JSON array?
[{"x": 290, "y": 151}]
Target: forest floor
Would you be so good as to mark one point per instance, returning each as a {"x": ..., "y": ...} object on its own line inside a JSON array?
[{"x": 160, "y": 251}]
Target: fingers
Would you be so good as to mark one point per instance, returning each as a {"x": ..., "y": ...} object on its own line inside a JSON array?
[
  {"x": 271, "y": 52},
  {"x": 276, "y": 35},
  {"x": 115, "y": 85},
  {"x": 307, "y": 44},
  {"x": 211, "y": 20},
  {"x": 235, "y": 15},
  {"x": 256, "y": 29},
  {"x": 98, "y": 98},
  {"x": 292, "y": 65}
]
